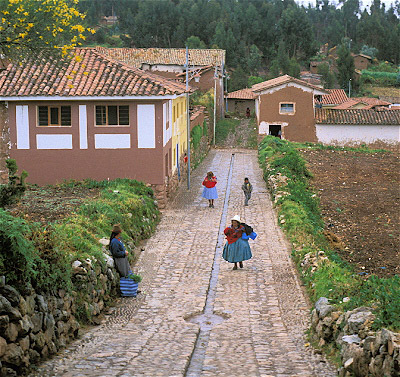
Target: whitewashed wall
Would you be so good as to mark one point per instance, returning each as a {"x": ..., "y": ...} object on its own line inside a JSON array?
[{"x": 357, "y": 134}]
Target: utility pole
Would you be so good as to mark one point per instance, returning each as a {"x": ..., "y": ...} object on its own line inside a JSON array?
[
  {"x": 187, "y": 118},
  {"x": 349, "y": 87},
  {"x": 215, "y": 99}
]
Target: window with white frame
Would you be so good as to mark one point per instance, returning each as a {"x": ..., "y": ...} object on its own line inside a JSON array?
[
  {"x": 112, "y": 115},
  {"x": 287, "y": 108},
  {"x": 54, "y": 116}
]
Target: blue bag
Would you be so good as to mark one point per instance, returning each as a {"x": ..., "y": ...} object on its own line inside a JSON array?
[{"x": 128, "y": 287}]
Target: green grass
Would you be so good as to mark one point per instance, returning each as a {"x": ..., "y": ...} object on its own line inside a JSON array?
[
  {"x": 42, "y": 256},
  {"x": 301, "y": 219},
  {"x": 223, "y": 128}
]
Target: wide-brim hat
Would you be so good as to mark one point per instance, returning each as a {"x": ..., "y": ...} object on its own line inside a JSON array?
[
  {"x": 116, "y": 228},
  {"x": 236, "y": 218}
]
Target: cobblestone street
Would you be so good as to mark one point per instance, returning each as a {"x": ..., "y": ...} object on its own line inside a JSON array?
[{"x": 263, "y": 308}]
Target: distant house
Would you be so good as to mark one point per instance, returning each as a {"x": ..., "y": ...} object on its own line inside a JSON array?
[
  {"x": 171, "y": 63},
  {"x": 334, "y": 98},
  {"x": 362, "y": 61},
  {"x": 240, "y": 100},
  {"x": 358, "y": 126},
  {"x": 285, "y": 107},
  {"x": 98, "y": 119},
  {"x": 362, "y": 103}
]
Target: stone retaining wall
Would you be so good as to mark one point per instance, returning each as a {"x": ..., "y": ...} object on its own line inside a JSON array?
[
  {"x": 363, "y": 352},
  {"x": 34, "y": 326}
]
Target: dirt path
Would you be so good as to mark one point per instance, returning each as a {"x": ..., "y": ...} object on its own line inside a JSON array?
[
  {"x": 244, "y": 136},
  {"x": 264, "y": 310}
]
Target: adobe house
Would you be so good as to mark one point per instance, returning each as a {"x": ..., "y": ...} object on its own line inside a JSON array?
[
  {"x": 334, "y": 98},
  {"x": 97, "y": 118},
  {"x": 240, "y": 100},
  {"x": 362, "y": 61},
  {"x": 171, "y": 63},
  {"x": 285, "y": 107}
]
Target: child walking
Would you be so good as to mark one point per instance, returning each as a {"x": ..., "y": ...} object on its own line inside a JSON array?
[{"x": 247, "y": 189}]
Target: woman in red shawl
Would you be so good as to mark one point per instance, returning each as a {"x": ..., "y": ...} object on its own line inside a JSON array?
[
  {"x": 209, "y": 190},
  {"x": 236, "y": 250}
]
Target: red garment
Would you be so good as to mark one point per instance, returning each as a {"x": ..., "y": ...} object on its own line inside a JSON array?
[
  {"x": 210, "y": 182},
  {"x": 185, "y": 159},
  {"x": 232, "y": 235}
]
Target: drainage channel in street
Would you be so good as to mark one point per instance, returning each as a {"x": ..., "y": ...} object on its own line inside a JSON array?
[{"x": 208, "y": 319}]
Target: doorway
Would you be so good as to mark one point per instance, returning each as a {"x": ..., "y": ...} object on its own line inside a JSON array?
[{"x": 275, "y": 130}]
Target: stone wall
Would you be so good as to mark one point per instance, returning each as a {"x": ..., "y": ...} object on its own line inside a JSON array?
[
  {"x": 34, "y": 326},
  {"x": 4, "y": 142},
  {"x": 363, "y": 352}
]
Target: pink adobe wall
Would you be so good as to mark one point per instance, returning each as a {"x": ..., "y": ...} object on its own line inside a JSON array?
[{"x": 53, "y": 166}]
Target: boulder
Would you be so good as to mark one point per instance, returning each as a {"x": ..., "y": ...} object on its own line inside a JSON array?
[
  {"x": 26, "y": 325},
  {"x": 350, "y": 339},
  {"x": 41, "y": 303},
  {"x": 11, "y": 333},
  {"x": 3, "y": 346},
  {"x": 356, "y": 320},
  {"x": 13, "y": 354},
  {"x": 11, "y": 294},
  {"x": 323, "y": 308},
  {"x": 37, "y": 321},
  {"x": 24, "y": 343},
  {"x": 4, "y": 321}
]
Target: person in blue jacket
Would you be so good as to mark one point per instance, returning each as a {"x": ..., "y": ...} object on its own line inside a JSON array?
[{"x": 119, "y": 252}]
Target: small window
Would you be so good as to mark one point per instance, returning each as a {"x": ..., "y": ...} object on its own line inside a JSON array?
[
  {"x": 286, "y": 108},
  {"x": 54, "y": 116},
  {"x": 112, "y": 115}
]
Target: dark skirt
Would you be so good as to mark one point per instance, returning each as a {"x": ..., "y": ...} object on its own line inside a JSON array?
[
  {"x": 122, "y": 266},
  {"x": 237, "y": 251}
]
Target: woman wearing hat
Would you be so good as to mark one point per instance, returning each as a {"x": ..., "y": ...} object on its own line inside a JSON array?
[
  {"x": 119, "y": 252},
  {"x": 210, "y": 191},
  {"x": 236, "y": 249}
]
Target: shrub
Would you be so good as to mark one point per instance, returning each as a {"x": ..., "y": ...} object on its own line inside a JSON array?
[{"x": 15, "y": 188}]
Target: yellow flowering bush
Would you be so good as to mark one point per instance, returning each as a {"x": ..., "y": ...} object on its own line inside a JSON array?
[{"x": 33, "y": 26}]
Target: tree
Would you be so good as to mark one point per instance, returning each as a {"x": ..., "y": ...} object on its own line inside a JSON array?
[
  {"x": 328, "y": 79},
  {"x": 195, "y": 42},
  {"x": 345, "y": 65},
  {"x": 254, "y": 60},
  {"x": 40, "y": 26},
  {"x": 370, "y": 51}
]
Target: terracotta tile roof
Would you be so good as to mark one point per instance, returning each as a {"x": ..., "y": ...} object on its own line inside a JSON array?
[
  {"x": 280, "y": 81},
  {"x": 335, "y": 97},
  {"x": 368, "y": 103},
  {"x": 357, "y": 117},
  {"x": 135, "y": 57},
  {"x": 96, "y": 75},
  {"x": 242, "y": 94}
]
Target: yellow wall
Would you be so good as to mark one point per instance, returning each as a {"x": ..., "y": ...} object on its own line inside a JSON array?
[{"x": 179, "y": 131}]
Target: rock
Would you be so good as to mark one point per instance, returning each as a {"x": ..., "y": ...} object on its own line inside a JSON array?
[
  {"x": 104, "y": 241},
  {"x": 323, "y": 308},
  {"x": 23, "y": 307},
  {"x": 11, "y": 294},
  {"x": 11, "y": 333},
  {"x": 49, "y": 322},
  {"x": 3, "y": 346},
  {"x": 4, "y": 321},
  {"x": 13, "y": 354},
  {"x": 5, "y": 305},
  {"x": 26, "y": 325},
  {"x": 76, "y": 264},
  {"x": 39, "y": 341},
  {"x": 351, "y": 339},
  {"x": 41, "y": 303},
  {"x": 357, "y": 320},
  {"x": 37, "y": 321},
  {"x": 368, "y": 343},
  {"x": 348, "y": 363},
  {"x": 34, "y": 356},
  {"x": 24, "y": 343}
]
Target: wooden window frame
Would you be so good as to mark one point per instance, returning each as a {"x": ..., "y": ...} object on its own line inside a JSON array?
[
  {"x": 287, "y": 103},
  {"x": 107, "y": 116},
  {"x": 59, "y": 121}
]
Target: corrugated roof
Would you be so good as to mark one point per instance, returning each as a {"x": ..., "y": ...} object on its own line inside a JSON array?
[
  {"x": 94, "y": 75},
  {"x": 335, "y": 97},
  {"x": 242, "y": 94},
  {"x": 357, "y": 117},
  {"x": 280, "y": 81},
  {"x": 135, "y": 57}
]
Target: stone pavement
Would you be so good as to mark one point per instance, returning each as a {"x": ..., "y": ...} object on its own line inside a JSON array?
[{"x": 263, "y": 304}]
